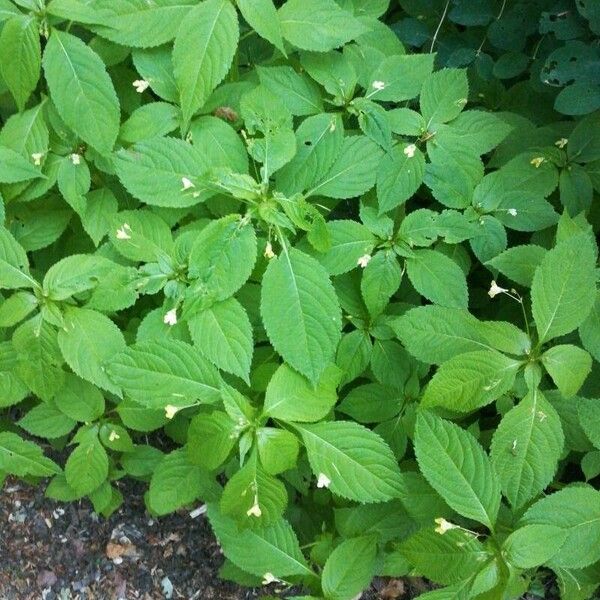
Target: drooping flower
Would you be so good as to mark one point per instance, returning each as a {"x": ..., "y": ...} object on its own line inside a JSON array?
[
  {"x": 123, "y": 232},
  {"x": 323, "y": 481},
  {"x": 140, "y": 85},
  {"x": 512, "y": 212},
  {"x": 254, "y": 510},
  {"x": 378, "y": 85},
  {"x": 187, "y": 184},
  {"x": 537, "y": 161},
  {"x": 269, "y": 251},
  {"x": 443, "y": 525},
  {"x": 410, "y": 150},
  {"x": 76, "y": 159},
  {"x": 495, "y": 289},
  {"x": 171, "y": 411},
  {"x": 37, "y": 158},
  {"x": 170, "y": 317},
  {"x": 561, "y": 143},
  {"x": 364, "y": 260}
]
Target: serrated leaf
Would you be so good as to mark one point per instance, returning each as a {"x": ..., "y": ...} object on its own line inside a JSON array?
[
  {"x": 356, "y": 462},
  {"x": 519, "y": 263},
  {"x": 457, "y": 467},
  {"x": 14, "y": 168},
  {"x": 21, "y": 457},
  {"x": 167, "y": 372},
  {"x": 444, "y": 95},
  {"x": 526, "y": 447},
  {"x": 319, "y": 25},
  {"x": 176, "y": 482},
  {"x": 589, "y": 416},
  {"x": 203, "y": 51},
  {"x": 224, "y": 335},
  {"x": 563, "y": 289},
  {"x": 262, "y": 16},
  {"x": 568, "y": 366},
  {"x": 399, "y": 176},
  {"x": 82, "y": 90},
  {"x": 445, "y": 558},
  {"x": 20, "y": 57},
  {"x": 354, "y": 171},
  {"x": 402, "y": 77},
  {"x": 87, "y": 466},
  {"x": 79, "y": 400},
  {"x": 47, "y": 421},
  {"x": 300, "y": 312},
  {"x": 291, "y": 397},
  {"x": 299, "y": 94},
  {"x": 438, "y": 278},
  {"x": 435, "y": 334},
  {"x": 88, "y": 341},
  {"x": 576, "y": 510},
  {"x": 380, "y": 280},
  {"x": 349, "y": 568},
  {"x": 274, "y": 549},
  {"x": 533, "y": 545}
]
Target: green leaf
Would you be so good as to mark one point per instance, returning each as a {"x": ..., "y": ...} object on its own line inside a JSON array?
[
  {"x": 471, "y": 380},
  {"x": 319, "y": 140},
  {"x": 203, "y": 51},
  {"x": 399, "y": 176},
  {"x": 447, "y": 557},
  {"x": 374, "y": 122},
  {"x": 519, "y": 263},
  {"x": 47, "y": 421},
  {"x": 563, "y": 289},
  {"x": 291, "y": 397},
  {"x": 533, "y": 545},
  {"x": 82, "y": 90},
  {"x": 138, "y": 23},
  {"x": 224, "y": 335},
  {"x": 274, "y": 549},
  {"x": 300, "y": 95},
  {"x": 262, "y": 16},
  {"x": 526, "y": 447},
  {"x": 380, "y": 281},
  {"x": 14, "y": 168},
  {"x": 253, "y": 497},
  {"x": 351, "y": 461},
  {"x": 300, "y": 311},
  {"x": 141, "y": 461},
  {"x": 399, "y": 77},
  {"x": 576, "y": 510},
  {"x": 589, "y": 417},
  {"x": 277, "y": 449},
  {"x": 155, "y": 119},
  {"x": 20, "y": 457},
  {"x": 164, "y": 172},
  {"x": 79, "y": 400},
  {"x": 319, "y": 25},
  {"x": 354, "y": 171},
  {"x": 457, "y": 467},
  {"x": 221, "y": 259},
  {"x": 443, "y": 96},
  {"x": 435, "y": 334},
  {"x": 482, "y": 130},
  {"x": 20, "y": 57},
  {"x": 349, "y": 242},
  {"x": 168, "y": 372},
  {"x": 349, "y": 568},
  {"x": 568, "y": 366},
  {"x": 438, "y": 278},
  {"x": 14, "y": 264},
  {"x": 353, "y": 354},
  {"x": 88, "y": 341},
  {"x": 371, "y": 403},
  {"x": 176, "y": 482},
  {"x": 87, "y": 466}
]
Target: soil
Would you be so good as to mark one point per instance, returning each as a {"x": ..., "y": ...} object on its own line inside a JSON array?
[{"x": 54, "y": 551}]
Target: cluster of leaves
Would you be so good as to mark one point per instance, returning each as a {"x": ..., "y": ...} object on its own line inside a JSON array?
[{"x": 267, "y": 232}]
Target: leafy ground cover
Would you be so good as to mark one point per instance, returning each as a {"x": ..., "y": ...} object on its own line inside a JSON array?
[{"x": 341, "y": 254}]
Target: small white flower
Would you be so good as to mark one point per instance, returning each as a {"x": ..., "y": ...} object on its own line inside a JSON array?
[
  {"x": 170, "y": 317},
  {"x": 561, "y": 143},
  {"x": 269, "y": 578},
  {"x": 37, "y": 158},
  {"x": 269, "y": 251},
  {"x": 140, "y": 85},
  {"x": 443, "y": 525},
  {"x": 323, "y": 481},
  {"x": 364, "y": 260},
  {"x": 254, "y": 510},
  {"x": 495, "y": 289},
  {"x": 123, "y": 232},
  {"x": 378, "y": 85},
  {"x": 194, "y": 514},
  {"x": 512, "y": 212},
  {"x": 187, "y": 184},
  {"x": 171, "y": 411},
  {"x": 537, "y": 161},
  {"x": 113, "y": 436},
  {"x": 410, "y": 150},
  {"x": 76, "y": 159}
]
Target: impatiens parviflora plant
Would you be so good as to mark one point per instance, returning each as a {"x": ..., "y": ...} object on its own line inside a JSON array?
[{"x": 354, "y": 285}]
